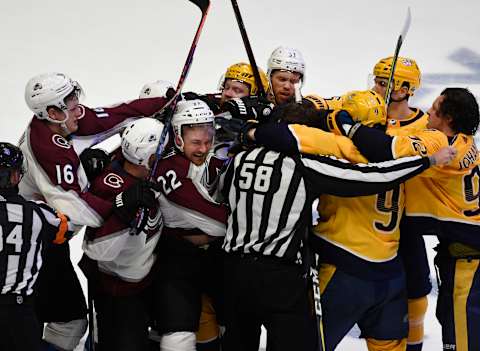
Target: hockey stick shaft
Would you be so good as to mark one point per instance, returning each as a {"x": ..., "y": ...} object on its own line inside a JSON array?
[
  {"x": 317, "y": 301},
  {"x": 248, "y": 48},
  {"x": 204, "y": 6},
  {"x": 91, "y": 319},
  {"x": 400, "y": 40}
]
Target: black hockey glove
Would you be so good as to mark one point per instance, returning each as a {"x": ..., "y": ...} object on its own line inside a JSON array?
[
  {"x": 94, "y": 161},
  {"x": 206, "y": 98},
  {"x": 127, "y": 203},
  {"x": 242, "y": 137},
  {"x": 249, "y": 107}
]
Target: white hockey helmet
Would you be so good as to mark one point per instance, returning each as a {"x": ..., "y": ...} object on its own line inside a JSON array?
[
  {"x": 286, "y": 59},
  {"x": 158, "y": 88},
  {"x": 187, "y": 113},
  {"x": 140, "y": 140},
  {"x": 50, "y": 89}
]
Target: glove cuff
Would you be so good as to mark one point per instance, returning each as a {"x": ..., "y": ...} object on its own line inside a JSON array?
[{"x": 333, "y": 125}]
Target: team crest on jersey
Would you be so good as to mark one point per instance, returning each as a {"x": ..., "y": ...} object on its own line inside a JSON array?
[
  {"x": 113, "y": 180},
  {"x": 407, "y": 62},
  {"x": 60, "y": 141}
]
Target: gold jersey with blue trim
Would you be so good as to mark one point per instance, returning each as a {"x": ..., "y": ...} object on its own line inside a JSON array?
[
  {"x": 414, "y": 122},
  {"x": 450, "y": 193},
  {"x": 368, "y": 226}
]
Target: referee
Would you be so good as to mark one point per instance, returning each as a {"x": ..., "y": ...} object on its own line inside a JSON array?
[
  {"x": 25, "y": 228},
  {"x": 270, "y": 197}
]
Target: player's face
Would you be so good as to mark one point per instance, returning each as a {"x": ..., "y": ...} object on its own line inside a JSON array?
[
  {"x": 283, "y": 85},
  {"x": 380, "y": 86},
  {"x": 435, "y": 120},
  {"x": 74, "y": 111},
  {"x": 234, "y": 89},
  {"x": 197, "y": 142}
]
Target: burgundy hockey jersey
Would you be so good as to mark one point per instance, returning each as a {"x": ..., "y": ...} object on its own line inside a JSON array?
[
  {"x": 124, "y": 262},
  {"x": 54, "y": 169},
  {"x": 186, "y": 200}
]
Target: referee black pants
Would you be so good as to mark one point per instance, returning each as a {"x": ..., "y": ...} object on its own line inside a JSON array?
[
  {"x": 270, "y": 292},
  {"x": 20, "y": 329}
]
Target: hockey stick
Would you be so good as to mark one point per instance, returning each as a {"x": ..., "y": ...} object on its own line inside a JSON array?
[
  {"x": 91, "y": 319},
  {"x": 401, "y": 38},
  {"x": 248, "y": 48},
  {"x": 311, "y": 270},
  {"x": 204, "y": 6}
]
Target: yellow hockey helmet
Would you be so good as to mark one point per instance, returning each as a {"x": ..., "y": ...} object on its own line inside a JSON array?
[
  {"x": 243, "y": 72},
  {"x": 365, "y": 106},
  {"x": 406, "y": 71}
]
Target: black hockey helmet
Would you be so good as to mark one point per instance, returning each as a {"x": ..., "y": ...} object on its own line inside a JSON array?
[{"x": 11, "y": 159}]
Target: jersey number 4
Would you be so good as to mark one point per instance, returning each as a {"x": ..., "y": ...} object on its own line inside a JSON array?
[
  {"x": 13, "y": 238},
  {"x": 471, "y": 190}
]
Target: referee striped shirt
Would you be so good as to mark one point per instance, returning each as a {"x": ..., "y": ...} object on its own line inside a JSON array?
[
  {"x": 25, "y": 228},
  {"x": 270, "y": 195}
]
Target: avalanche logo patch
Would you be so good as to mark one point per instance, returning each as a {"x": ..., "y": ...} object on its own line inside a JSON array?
[
  {"x": 60, "y": 141},
  {"x": 113, "y": 180}
]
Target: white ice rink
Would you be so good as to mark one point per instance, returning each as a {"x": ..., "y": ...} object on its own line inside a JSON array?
[{"x": 113, "y": 47}]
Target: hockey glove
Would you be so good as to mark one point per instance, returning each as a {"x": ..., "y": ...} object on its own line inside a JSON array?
[
  {"x": 209, "y": 99},
  {"x": 242, "y": 137},
  {"x": 94, "y": 161},
  {"x": 249, "y": 107},
  {"x": 127, "y": 203},
  {"x": 341, "y": 123},
  {"x": 230, "y": 127}
]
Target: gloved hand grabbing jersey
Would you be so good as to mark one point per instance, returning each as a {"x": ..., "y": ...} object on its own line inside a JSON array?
[
  {"x": 127, "y": 203},
  {"x": 249, "y": 108},
  {"x": 94, "y": 161}
]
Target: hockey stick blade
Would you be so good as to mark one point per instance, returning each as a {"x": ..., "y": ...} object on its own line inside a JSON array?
[
  {"x": 401, "y": 38},
  {"x": 202, "y": 4},
  {"x": 248, "y": 48},
  {"x": 406, "y": 25}
]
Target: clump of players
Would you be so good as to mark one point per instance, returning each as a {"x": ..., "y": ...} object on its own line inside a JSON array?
[{"x": 197, "y": 236}]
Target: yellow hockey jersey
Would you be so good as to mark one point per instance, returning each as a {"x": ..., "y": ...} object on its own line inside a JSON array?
[
  {"x": 366, "y": 227},
  {"x": 444, "y": 200}
]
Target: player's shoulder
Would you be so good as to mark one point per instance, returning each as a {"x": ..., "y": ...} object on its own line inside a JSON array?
[
  {"x": 215, "y": 161},
  {"x": 432, "y": 135},
  {"x": 176, "y": 161}
]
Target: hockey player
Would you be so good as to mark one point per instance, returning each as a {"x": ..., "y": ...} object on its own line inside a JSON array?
[
  {"x": 286, "y": 74},
  {"x": 239, "y": 81},
  {"x": 270, "y": 195},
  {"x": 194, "y": 228},
  {"x": 403, "y": 119},
  {"x": 26, "y": 229},
  {"x": 56, "y": 175},
  {"x": 121, "y": 263},
  {"x": 444, "y": 202},
  {"x": 373, "y": 222}
]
